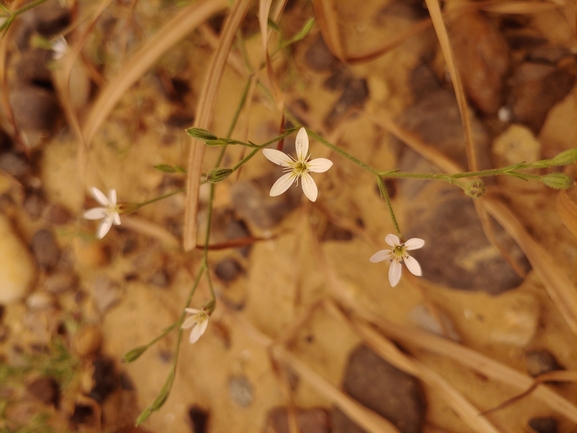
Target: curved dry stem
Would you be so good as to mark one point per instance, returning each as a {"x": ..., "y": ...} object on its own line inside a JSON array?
[{"x": 204, "y": 111}]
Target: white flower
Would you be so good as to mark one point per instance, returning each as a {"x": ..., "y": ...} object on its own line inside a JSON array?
[
  {"x": 59, "y": 47},
  {"x": 109, "y": 212},
  {"x": 198, "y": 321},
  {"x": 397, "y": 255},
  {"x": 298, "y": 168}
]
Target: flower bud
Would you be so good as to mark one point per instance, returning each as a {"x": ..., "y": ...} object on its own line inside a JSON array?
[
  {"x": 218, "y": 174},
  {"x": 564, "y": 158},
  {"x": 209, "y": 307},
  {"x": 557, "y": 180},
  {"x": 134, "y": 354},
  {"x": 201, "y": 134},
  {"x": 475, "y": 188}
]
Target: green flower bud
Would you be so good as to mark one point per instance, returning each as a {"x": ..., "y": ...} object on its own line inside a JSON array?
[
  {"x": 134, "y": 354},
  {"x": 218, "y": 174},
  {"x": 475, "y": 188},
  {"x": 209, "y": 307},
  {"x": 557, "y": 180},
  {"x": 564, "y": 158},
  {"x": 201, "y": 134}
]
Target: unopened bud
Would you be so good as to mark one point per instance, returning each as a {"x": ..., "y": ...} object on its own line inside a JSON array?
[
  {"x": 557, "y": 180},
  {"x": 209, "y": 307},
  {"x": 218, "y": 174},
  {"x": 134, "y": 354},
  {"x": 475, "y": 188},
  {"x": 564, "y": 158},
  {"x": 201, "y": 134}
]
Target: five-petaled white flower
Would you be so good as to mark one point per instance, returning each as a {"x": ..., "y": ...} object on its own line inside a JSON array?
[
  {"x": 109, "y": 212},
  {"x": 298, "y": 168},
  {"x": 398, "y": 255},
  {"x": 198, "y": 321}
]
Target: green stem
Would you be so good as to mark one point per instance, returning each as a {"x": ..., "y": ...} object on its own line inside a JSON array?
[
  {"x": 343, "y": 153},
  {"x": 162, "y": 197},
  {"x": 28, "y": 7},
  {"x": 385, "y": 196}
]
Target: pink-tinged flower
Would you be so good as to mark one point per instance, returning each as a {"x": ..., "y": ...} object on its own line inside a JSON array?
[
  {"x": 198, "y": 321},
  {"x": 299, "y": 168},
  {"x": 59, "y": 47},
  {"x": 109, "y": 212},
  {"x": 397, "y": 254}
]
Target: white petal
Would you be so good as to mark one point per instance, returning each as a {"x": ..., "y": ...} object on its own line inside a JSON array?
[
  {"x": 116, "y": 217},
  {"x": 282, "y": 184},
  {"x": 379, "y": 256},
  {"x": 413, "y": 266},
  {"x": 278, "y": 157},
  {"x": 189, "y": 322},
  {"x": 112, "y": 197},
  {"x": 392, "y": 240},
  {"x": 96, "y": 213},
  {"x": 414, "y": 244},
  {"x": 319, "y": 165},
  {"x": 104, "y": 227},
  {"x": 197, "y": 331},
  {"x": 192, "y": 310},
  {"x": 309, "y": 187},
  {"x": 395, "y": 273},
  {"x": 99, "y": 196},
  {"x": 302, "y": 145}
]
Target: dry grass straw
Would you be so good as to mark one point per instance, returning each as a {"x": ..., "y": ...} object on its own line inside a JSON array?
[
  {"x": 62, "y": 79},
  {"x": 389, "y": 352},
  {"x": 367, "y": 419},
  {"x": 5, "y": 91},
  {"x": 448, "y": 349},
  {"x": 327, "y": 20},
  {"x": 443, "y": 37},
  {"x": 567, "y": 210},
  {"x": 205, "y": 111}
]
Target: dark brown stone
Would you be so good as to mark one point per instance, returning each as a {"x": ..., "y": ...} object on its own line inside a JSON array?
[
  {"x": 536, "y": 88},
  {"x": 384, "y": 389},
  {"x": 199, "y": 419},
  {"x": 45, "y": 249},
  {"x": 482, "y": 58},
  {"x": 45, "y": 390},
  {"x": 228, "y": 270},
  {"x": 252, "y": 202},
  {"x": 543, "y": 425},
  {"x": 35, "y": 108},
  {"x": 318, "y": 56}
]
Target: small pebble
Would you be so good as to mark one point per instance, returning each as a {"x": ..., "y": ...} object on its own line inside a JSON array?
[
  {"x": 422, "y": 317},
  {"x": 540, "y": 362},
  {"x": 45, "y": 390},
  {"x": 241, "y": 390},
  {"x": 45, "y": 249},
  {"x": 17, "y": 270},
  {"x": 543, "y": 425},
  {"x": 228, "y": 270},
  {"x": 40, "y": 301},
  {"x": 199, "y": 418},
  {"x": 87, "y": 340},
  {"x": 60, "y": 282},
  {"x": 106, "y": 293}
]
